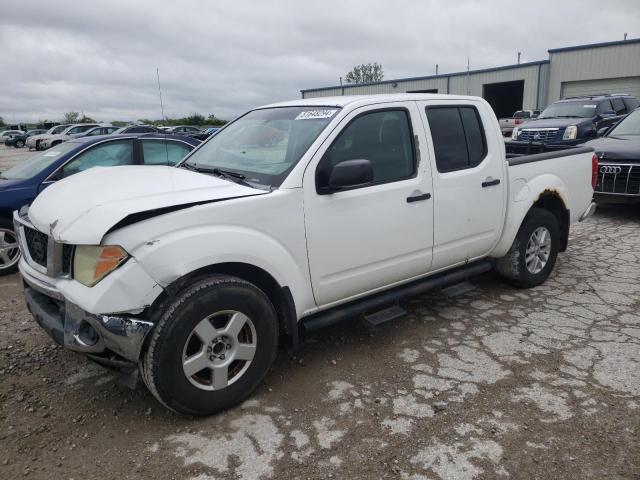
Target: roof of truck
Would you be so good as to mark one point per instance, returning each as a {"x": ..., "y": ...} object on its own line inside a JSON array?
[{"x": 343, "y": 101}]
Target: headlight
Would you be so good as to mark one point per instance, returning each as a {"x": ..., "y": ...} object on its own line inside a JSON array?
[
  {"x": 91, "y": 264},
  {"x": 514, "y": 134},
  {"x": 570, "y": 133}
]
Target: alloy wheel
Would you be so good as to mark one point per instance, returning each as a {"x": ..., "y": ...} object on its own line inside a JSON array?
[
  {"x": 219, "y": 350},
  {"x": 9, "y": 251},
  {"x": 538, "y": 250}
]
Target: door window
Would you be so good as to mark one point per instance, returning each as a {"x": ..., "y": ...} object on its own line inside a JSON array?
[
  {"x": 102, "y": 155},
  {"x": 160, "y": 152},
  {"x": 458, "y": 137},
  {"x": 383, "y": 137},
  {"x": 618, "y": 105}
]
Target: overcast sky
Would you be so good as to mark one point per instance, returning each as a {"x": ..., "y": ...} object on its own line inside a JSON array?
[{"x": 218, "y": 57}]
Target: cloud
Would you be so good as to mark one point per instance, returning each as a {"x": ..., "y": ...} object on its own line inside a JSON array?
[{"x": 226, "y": 57}]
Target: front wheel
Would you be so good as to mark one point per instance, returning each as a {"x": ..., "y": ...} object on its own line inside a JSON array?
[
  {"x": 533, "y": 253},
  {"x": 19, "y": 144},
  {"x": 211, "y": 347},
  {"x": 9, "y": 251}
]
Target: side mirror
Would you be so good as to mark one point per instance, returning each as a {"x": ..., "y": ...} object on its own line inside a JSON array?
[{"x": 350, "y": 174}]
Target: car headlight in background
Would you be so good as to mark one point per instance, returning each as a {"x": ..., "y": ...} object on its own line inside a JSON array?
[
  {"x": 514, "y": 134},
  {"x": 92, "y": 263},
  {"x": 570, "y": 133}
]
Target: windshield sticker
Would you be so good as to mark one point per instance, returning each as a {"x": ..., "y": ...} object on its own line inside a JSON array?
[
  {"x": 52, "y": 154},
  {"x": 311, "y": 114},
  {"x": 589, "y": 106}
]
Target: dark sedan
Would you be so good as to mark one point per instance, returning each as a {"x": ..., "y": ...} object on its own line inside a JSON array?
[
  {"x": 21, "y": 184},
  {"x": 20, "y": 140},
  {"x": 619, "y": 167}
]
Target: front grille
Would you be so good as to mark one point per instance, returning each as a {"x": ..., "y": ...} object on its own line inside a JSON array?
[
  {"x": 37, "y": 245},
  {"x": 67, "y": 259},
  {"x": 538, "y": 135},
  {"x": 619, "y": 179}
]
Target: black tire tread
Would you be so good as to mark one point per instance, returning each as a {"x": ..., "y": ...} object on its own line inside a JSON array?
[
  {"x": 168, "y": 309},
  {"x": 509, "y": 267}
]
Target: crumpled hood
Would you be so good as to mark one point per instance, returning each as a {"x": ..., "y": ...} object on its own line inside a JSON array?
[{"x": 82, "y": 208}]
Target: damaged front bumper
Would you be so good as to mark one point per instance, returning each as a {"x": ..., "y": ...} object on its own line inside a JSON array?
[{"x": 112, "y": 338}]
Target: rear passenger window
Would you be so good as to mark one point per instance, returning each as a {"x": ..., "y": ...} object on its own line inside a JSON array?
[
  {"x": 383, "y": 137},
  {"x": 618, "y": 105},
  {"x": 458, "y": 137}
]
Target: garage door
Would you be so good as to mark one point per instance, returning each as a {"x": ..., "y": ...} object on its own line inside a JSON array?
[{"x": 630, "y": 85}]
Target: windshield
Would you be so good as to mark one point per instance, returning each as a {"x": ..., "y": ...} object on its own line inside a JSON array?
[
  {"x": 570, "y": 110},
  {"x": 38, "y": 162},
  {"x": 58, "y": 129},
  {"x": 264, "y": 145},
  {"x": 630, "y": 125}
]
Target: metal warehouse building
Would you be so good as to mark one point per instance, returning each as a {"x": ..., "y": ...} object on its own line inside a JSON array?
[{"x": 612, "y": 67}]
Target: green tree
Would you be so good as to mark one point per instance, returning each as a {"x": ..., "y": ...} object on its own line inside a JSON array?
[
  {"x": 2, "y": 124},
  {"x": 86, "y": 119},
  {"x": 365, "y": 73},
  {"x": 71, "y": 117}
]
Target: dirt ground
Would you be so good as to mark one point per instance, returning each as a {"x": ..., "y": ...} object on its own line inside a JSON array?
[{"x": 494, "y": 383}]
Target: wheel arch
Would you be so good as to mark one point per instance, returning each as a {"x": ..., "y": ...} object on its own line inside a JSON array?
[
  {"x": 279, "y": 295},
  {"x": 550, "y": 200},
  {"x": 546, "y": 192}
]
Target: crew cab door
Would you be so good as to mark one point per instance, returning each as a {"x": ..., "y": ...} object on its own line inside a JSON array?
[
  {"x": 468, "y": 165},
  {"x": 373, "y": 235}
]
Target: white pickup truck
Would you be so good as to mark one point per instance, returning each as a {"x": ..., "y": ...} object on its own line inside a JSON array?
[{"x": 294, "y": 216}]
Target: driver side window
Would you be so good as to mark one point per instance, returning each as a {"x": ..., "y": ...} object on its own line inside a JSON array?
[
  {"x": 383, "y": 137},
  {"x": 102, "y": 155}
]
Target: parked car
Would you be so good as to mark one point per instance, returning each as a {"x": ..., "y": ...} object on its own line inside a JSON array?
[
  {"x": 19, "y": 141},
  {"x": 9, "y": 134},
  {"x": 521, "y": 116},
  {"x": 71, "y": 131},
  {"x": 619, "y": 170},
  {"x": 95, "y": 131},
  {"x": 137, "y": 129},
  {"x": 34, "y": 140},
  {"x": 203, "y": 135},
  {"x": 574, "y": 120},
  {"x": 184, "y": 130},
  {"x": 213, "y": 264},
  {"x": 20, "y": 185}
]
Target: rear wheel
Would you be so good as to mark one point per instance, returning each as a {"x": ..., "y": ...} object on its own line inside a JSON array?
[
  {"x": 38, "y": 146},
  {"x": 211, "y": 346},
  {"x": 9, "y": 251},
  {"x": 19, "y": 144},
  {"x": 533, "y": 253}
]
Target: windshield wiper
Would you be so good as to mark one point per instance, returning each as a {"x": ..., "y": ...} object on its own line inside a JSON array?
[
  {"x": 232, "y": 176},
  {"x": 569, "y": 116}
]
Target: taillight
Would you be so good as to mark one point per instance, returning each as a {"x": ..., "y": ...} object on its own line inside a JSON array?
[
  {"x": 517, "y": 121},
  {"x": 594, "y": 171}
]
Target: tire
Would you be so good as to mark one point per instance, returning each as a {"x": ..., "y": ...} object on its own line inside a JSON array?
[
  {"x": 174, "y": 342},
  {"x": 9, "y": 257},
  {"x": 19, "y": 144},
  {"x": 38, "y": 147},
  {"x": 514, "y": 268}
]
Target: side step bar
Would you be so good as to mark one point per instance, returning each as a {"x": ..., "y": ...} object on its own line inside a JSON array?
[{"x": 384, "y": 299}]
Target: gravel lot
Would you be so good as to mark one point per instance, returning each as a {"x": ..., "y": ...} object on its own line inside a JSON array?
[
  {"x": 9, "y": 156},
  {"x": 495, "y": 383}
]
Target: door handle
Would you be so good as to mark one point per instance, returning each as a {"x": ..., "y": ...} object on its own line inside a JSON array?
[
  {"x": 417, "y": 198},
  {"x": 489, "y": 182}
]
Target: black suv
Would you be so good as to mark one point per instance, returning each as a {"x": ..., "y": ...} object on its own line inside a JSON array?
[{"x": 573, "y": 120}]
